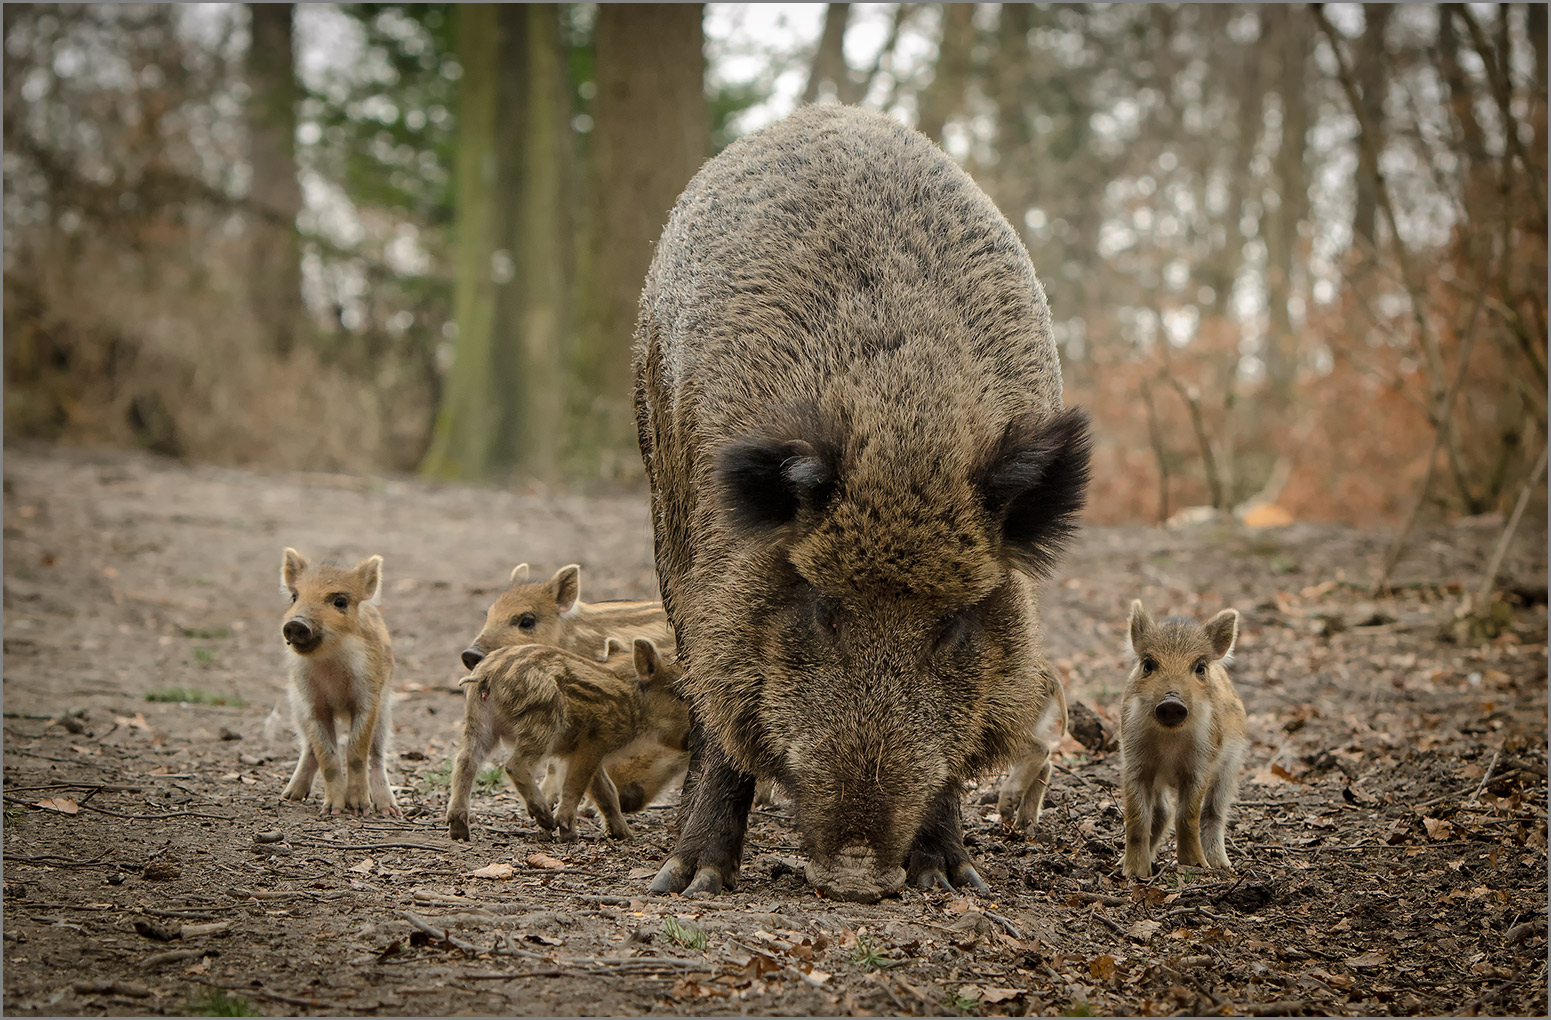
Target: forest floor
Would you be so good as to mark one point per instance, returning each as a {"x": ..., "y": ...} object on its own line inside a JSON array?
[{"x": 1390, "y": 845}]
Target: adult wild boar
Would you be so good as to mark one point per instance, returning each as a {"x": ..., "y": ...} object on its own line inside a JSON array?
[{"x": 850, "y": 411}]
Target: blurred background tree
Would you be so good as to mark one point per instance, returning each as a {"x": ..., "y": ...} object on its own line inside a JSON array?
[{"x": 1295, "y": 254}]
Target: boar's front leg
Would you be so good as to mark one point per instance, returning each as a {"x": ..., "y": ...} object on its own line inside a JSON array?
[
  {"x": 938, "y": 859},
  {"x": 711, "y": 830}
]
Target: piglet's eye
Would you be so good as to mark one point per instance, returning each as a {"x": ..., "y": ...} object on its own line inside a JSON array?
[
  {"x": 1200, "y": 669},
  {"x": 293, "y": 598},
  {"x": 1149, "y": 667},
  {"x": 526, "y": 621},
  {"x": 341, "y": 603}
]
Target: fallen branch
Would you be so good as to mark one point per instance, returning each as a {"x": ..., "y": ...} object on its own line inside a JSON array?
[
  {"x": 1007, "y": 925},
  {"x": 175, "y": 956},
  {"x": 1504, "y": 540},
  {"x": 259, "y": 993}
]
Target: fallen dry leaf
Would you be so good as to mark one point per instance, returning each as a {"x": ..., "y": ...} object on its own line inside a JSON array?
[
  {"x": 366, "y": 866},
  {"x": 64, "y": 805},
  {"x": 500, "y": 869},
  {"x": 995, "y": 995},
  {"x": 1438, "y": 828},
  {"x": 545, "y": 861},
  {"x": 1143, "y": 930},
  {"x": 1102, "y": 967},
  {"x": 1371, "y": 959}
]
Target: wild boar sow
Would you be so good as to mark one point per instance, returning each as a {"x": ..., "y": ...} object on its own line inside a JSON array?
[{"x": 850, "y": 413}]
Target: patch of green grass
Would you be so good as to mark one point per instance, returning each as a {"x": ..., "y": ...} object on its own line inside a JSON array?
[
  {"x": 868, "y": 955},
  {"x": 489, "y": 781},
  {"x": 13, "y": 815},
  {"x": 1077, "y": 1007},
  {"x": 441, "y": 776},
  {"x": 1283, "y": 565},
  {"x": 956, "y": 1003},
  {"x": 203, "y": 582},
  {"x": 204, "y": 656},
  {"x": 207, "y": 633},
  {"x": 194, "y": 696},
  {"x": 683, "y": 933},
  {"x": 219, "y": 1002}
]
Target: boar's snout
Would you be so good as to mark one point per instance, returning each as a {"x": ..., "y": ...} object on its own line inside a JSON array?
[
  {"x": 1171, "y": 711},
  {"x": 473, "y": 655},
  {"x": 855, "y": 875},
  {"x": 299, "y": 636}
]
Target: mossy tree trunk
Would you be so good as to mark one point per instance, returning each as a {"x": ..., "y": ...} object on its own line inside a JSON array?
[
  {"x": 651, "y": 133},
  {"x": 502, "y": 403},
  {"x": 275, "y": 280}
]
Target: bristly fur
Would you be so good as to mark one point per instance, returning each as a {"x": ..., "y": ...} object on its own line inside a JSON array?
[{"x": 849, "y": 408}]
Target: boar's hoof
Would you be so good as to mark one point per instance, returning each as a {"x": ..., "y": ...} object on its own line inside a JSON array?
[
  {"x": 708, "y": 882},
  {"x": 671, "y": 878},
  {"x": 964, "y": 877},
  {"x": 459, "y": 827}
]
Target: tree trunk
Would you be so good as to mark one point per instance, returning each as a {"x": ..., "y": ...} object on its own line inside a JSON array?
[
  {"x": 1294, "y": 41},
  {"x": 943, "y": 98},
  {"x": 1012, "y": 181},
  {"x": 651, "y": 133},
  {"x": 275, "y": 280},
  {"x": 532, "y": 306},
  {"x": 502, "y": 406},
  {"x": 1372, "y": 59},
  {"x": 829, "y": 60},
  {"x": 467, "y": 421}
]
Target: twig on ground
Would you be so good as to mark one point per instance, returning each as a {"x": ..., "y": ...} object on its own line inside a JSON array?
[
  {"x": 260, "y": 993},
  {"x": 1486, "y": 778},
  {"x": 1007, "y": 925}
]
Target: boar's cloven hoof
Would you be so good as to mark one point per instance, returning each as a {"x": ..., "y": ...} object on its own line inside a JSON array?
[{"x": 672, "y": 877}]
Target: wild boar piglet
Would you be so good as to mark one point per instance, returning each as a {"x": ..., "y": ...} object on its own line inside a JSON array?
[
  {"x": 1181, "y": 736},
  {"x": 341, "y": 664}
]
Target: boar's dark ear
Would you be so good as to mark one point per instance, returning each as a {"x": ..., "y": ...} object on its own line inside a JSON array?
[
  {"x": 567, "y": 586},
  {"x": 765, "y": 482},
  {"x": 1035, "y": 483}
]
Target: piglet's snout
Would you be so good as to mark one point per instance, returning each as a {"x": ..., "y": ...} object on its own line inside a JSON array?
[{"x": 1171, "y": 711}]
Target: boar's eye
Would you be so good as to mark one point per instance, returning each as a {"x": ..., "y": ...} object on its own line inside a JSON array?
[
  {"x": 826, "y": 615},
  {"x": 340, "y": 602},
  {"x": 1149, "y": 666},
  {"x": 527, "y": 621},
  {"x": 953, "y": 632}
]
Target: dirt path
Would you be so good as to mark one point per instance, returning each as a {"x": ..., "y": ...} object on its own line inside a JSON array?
[{"x": 1391, "y": 845}]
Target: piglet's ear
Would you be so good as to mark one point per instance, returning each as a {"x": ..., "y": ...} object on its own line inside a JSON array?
[
  {"x": 1138, "y": 624},
  {"x": 1223, "y": 630},
  {"x": 567, "y": 586},
  {"x": 647, "y": 661},
  {"x": 519, "y": 573},
  {"x": 1034, "y": 485},
  {"x": 369, "y": 571},
  {"x": 765, "y": 483},
  {"x": 291, "y": 567}
]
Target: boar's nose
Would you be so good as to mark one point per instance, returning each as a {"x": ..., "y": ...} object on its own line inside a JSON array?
[
  {"x": 296, "y": 632},
  {"x": 472, "y": 656},
  {"x": 1171, "y": 711}
]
